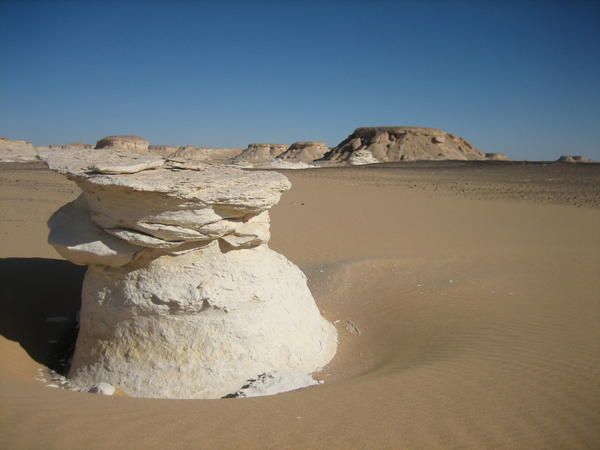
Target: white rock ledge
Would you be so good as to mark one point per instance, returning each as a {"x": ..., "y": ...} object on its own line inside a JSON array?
[{"x": 182, "y": 297}]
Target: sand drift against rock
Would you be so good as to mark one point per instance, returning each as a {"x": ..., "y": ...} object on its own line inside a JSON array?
[{"x": 183, "y": 298}]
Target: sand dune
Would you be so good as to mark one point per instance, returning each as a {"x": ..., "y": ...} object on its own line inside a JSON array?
[{"x": 473, "y": 295}]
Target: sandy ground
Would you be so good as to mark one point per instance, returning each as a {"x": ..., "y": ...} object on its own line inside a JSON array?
[{"x": 475, "y": 290}]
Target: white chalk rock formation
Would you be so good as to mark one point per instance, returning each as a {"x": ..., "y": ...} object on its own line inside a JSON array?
[
  {"x": 182, "y": 298},
  {"x": 125, "y": 142},
  {"x": 17, "y": 151},
  {"x": 304, "y": 152},
  {"x": 391, "y": 144},
  {"x": 281, "y": 164},
  {"x": 259, "y": 153},
  {"x": 102, "y": 389},
  {"x": 362, "y": 157}
]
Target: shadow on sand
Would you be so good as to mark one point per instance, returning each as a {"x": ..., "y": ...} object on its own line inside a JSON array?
[{"x": 39, "y": 299}]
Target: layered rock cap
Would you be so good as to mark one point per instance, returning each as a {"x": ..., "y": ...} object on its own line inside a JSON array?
[
  {"x": 390, "y": 144},
  {"x": 182, "y": 297}
]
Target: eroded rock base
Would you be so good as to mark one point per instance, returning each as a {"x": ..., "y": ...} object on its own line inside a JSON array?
[{"x": 198, "y": 325}]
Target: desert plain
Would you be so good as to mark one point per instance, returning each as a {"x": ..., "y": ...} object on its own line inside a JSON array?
[{"x": 466, "y": 296}]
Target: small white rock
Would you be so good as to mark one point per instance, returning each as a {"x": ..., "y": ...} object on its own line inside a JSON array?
[{"x": 102, "y": 389}]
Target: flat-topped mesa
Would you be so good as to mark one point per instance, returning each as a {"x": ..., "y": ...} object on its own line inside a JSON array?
[
  {"x": 260, "y": 153},
  {"x": 183, "y": 298},
  {"x": 389, "y": 144},
  {"x": 125, "y": 142},
  {"x": 305, "y": 151}
]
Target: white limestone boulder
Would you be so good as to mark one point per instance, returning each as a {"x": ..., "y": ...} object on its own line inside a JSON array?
[
  {"x": 78, "y": 239},
  {"x": 198, "y": 325},
  {"x": 102, "y": 389},
  {"x": 182, "y": 297}
]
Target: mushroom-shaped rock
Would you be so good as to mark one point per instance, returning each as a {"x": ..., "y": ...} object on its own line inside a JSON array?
[
  {"x": 305, "y": 151},
  {"x": 390, "y": 144},
  {"x": 182, "y": 298},
  {"x": 260, "y": 153},
  {"x": 125, "y": 142},
  {"x": 496, "y": 157}
]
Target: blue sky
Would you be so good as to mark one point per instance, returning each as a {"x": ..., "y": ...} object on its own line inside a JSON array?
[{"x": 520, "y": 77}]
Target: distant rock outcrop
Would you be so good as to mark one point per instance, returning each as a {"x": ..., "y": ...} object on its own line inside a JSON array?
[
  {"x": 74, "y": 146},
  {"x": 496, "y": 157},
  {"x": 207, "y": 154},
  {"x": 125, "y": 142},
  {"x": 162, "y": 150},
  {"x": 305, "y": 151},
  {"x": 260, "y": 153},
  {"x": 17, "y": 151},
  {"x": 389, "y": 144},
  {"x": 574, "y": 159}
]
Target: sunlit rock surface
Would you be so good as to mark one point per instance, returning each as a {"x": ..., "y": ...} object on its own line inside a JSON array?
[
  {"x": 125, "y": 142},
  {"x": 17, "y": 151},
  {"x": 183, "y": 298},
  {"x": 391, "y": 144}
]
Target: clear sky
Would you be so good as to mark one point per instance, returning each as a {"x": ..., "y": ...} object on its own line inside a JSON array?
[{"x": 520, "y": 77}]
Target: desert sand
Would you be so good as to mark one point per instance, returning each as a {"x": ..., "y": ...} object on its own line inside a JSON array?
[{"x": 466, "y": 298}]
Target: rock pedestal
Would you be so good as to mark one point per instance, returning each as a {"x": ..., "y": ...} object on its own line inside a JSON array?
[{"x": 183, "y": 298}]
